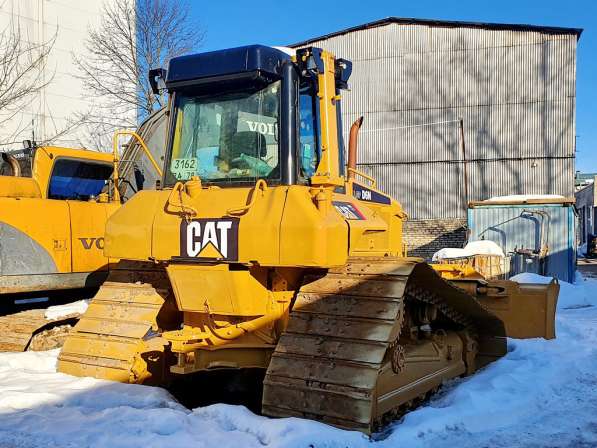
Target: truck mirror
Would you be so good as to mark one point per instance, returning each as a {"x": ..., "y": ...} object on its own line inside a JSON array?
[{"x": 157, "y": 79}]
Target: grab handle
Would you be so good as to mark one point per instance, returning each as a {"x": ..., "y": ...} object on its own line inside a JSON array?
[{"x": 259, "y": 185}]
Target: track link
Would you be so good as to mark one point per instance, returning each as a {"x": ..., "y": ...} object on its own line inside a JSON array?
[
  {"x": 345, "y": 358},
  {"x": 118, "y": 337}
]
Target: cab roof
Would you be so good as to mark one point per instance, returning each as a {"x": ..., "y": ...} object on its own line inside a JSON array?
[
  {"x": 87, "y": 154},
  {"x": 229, "y": 62}
]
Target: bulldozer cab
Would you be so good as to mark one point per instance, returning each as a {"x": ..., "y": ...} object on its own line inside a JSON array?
[
  {"x": 261, "y": 121},
  {"x": 255, "y": 147}
]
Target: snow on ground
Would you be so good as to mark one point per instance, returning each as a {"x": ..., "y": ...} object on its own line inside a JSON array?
[
  {"x": 541, "y": 394},
  {"x": 60, "y": 311},
  {"x": 481, "y": 247}
]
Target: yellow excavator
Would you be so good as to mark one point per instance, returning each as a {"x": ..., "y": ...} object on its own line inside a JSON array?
[
  {"x": 54, "y": 204},
  {"x": 264, "y": 249}
]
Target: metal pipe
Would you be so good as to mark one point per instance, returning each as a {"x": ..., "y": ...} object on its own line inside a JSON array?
[
  {"x": 352, "y": 147},
  {"x": 13, "y": 162},
  {"x": 289, "y": 124}
]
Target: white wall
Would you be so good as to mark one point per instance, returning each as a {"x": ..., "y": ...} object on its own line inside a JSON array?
[{"x": 57, "y": 105}]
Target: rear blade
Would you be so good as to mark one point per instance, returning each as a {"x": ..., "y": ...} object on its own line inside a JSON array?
[{"x": 527, "y": 310}]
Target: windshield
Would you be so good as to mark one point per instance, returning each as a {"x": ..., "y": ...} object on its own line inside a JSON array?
[{"x": 226, "y": 138}]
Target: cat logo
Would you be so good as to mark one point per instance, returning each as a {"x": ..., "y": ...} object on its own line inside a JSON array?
[{"x": 210, "y": 239}]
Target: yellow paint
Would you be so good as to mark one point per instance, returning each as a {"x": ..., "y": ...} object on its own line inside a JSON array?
[
  {"x": 464, "y": 270},
  {"x": 70, "y": 231},
  {"x": 328, "y": 172},
  {"x": 52, "y": 232},
  {"x": 88, "y": 222},
  {"x": 218, "y": 290}
]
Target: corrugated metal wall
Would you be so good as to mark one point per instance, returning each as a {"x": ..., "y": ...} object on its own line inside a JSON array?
[
  {"x": 511, "y": 226},
  {"x": 515, "y": 91}
]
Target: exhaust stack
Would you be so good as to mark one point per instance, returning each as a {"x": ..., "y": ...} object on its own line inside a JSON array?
[
  {"x": 352, "y": 146},
  {"x": 13, "y": 162}
]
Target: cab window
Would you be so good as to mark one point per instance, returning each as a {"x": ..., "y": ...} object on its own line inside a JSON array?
[
  {"x": 226, "y": 137},
  {"x": 308, "y": 133},
  {"x": 78, "y": 179}
]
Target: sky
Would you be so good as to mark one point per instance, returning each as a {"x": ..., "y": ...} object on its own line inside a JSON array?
[{"x": 232, "y": 23}]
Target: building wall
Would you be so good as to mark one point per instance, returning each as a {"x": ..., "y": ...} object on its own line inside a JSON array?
[
  {"x": 514, "y": 90},
  {"x": 531, "y": 227},
  {"x": 424, "y": 237},
  {"x": 53, "y": 110}
]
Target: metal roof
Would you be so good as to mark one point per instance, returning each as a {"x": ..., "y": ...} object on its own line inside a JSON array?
[
  {"x": 447, "y": 24},
  {"x": 542, "y": 201}
]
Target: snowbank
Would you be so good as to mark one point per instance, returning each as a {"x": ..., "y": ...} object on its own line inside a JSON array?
[
  {"x": 60, "y": 311},
  {"x": 483, "y": 247},
  {"x": 523, "y": 197},
  {"x": 542, "y": 393}
]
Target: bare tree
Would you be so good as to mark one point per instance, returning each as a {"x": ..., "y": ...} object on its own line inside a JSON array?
[
  {"x": 23, "y": 73},
  {"x": 133, "y": 37}
]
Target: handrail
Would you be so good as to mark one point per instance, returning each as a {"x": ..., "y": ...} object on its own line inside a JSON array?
[
  {"x": 185, "y": 209},
  {"x": 363, "y": 175},
  {"x": 143, "y": 145},
  {"x": 260, "y": 184},
  {"x": 137, "y": 137}
]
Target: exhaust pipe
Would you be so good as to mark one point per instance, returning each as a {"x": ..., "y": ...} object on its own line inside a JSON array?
[
  {"x": 13, "y": 162},
  {"x": 352, "y": 147}
]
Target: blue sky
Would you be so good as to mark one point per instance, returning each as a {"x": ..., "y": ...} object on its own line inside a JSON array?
[{"x": 236, "y": 22}]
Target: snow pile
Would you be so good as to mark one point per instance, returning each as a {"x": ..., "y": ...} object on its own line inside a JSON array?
[
  {"x": 524, "y": 197},
  {"x": 60, "y": 311},
  {"x": 542, "y": 393},
  {"x": 482, "y": 247}
]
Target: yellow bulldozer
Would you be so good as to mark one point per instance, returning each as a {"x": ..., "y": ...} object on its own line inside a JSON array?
[
  {"x": 54, "y": 204},
  {"x": 265, "y": 249}
]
